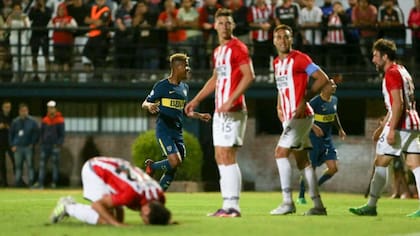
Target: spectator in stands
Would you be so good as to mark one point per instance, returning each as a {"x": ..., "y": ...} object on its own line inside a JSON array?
[
  {"x": 353, "y": 49},
  {"x": 123, "y": 41},
  {"x": 364, "y": 16},
  {"x": 18, "y": 41},
  {"x": 188, "y": 18},
  {"x": 240, "y": 17},
  {"x": 336, "y": 36},
  {"x": 206, "y": 21},
  {"x": 97, "y": 46},
  {"x": 5, "y": 59},
  {"x": 168, "y": 21},
  {"x": 414, "y": 24},
  {"x": 310, "y": 19},
  {"x": 260, "y": 18},
  {"x": 146, "y": 37},
  {"x": 288, "y": 14},
  {"x": 23, "y": 135},
  {"x": 80, "y": 11},
  {"x": 327, "y": 10},
  {"x": 40, "y": 16},
  {"x": 391, "y": 24},
  {"x": 52, "y": 138},
  {"x": 5, "y": 122},
  {"x": 63, "y": 41}
]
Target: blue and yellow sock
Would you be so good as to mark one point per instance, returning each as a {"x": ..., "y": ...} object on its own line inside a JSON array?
[
  {"x": 167, "y": 179},
  {"x": 162, "y": 165},
  {"x": 324, "y": 178}
]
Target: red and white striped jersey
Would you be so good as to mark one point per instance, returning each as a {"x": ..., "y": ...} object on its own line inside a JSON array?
[
  {"x": 227, "y": 60},
  {"x": 260, "y": 15},
  {"x": 397, "y": 77},
  {"x": 292, "y": 76},
  {"x": 335, "y": 36},
  {"x": 130, "y": 186}
]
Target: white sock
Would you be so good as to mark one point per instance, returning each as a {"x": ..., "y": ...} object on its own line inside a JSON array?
[
  {"x": 377, "y": 184},
  {"x": 416, "y": 173},
  {"x": 232, "y": 184},
  {"x": 313, "y": 191},
  {"x": 222, "y": 181},
  {"x": 285, "y": 173},
  {"x": 83, "y": 212}
]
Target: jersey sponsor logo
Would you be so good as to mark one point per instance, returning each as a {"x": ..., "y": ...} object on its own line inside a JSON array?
[
  {"x": 173, "y": 103},
  {"x": 324, "y": 118}
]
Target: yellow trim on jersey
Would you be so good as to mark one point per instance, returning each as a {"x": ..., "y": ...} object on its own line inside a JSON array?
[
  {"x": 324, "y": 118},
  {"x": 163, "y": 147},
  {"x": 173, "y": 103}
]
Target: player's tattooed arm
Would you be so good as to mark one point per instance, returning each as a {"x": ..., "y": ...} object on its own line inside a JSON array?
[{"x": 152, "y": 107}]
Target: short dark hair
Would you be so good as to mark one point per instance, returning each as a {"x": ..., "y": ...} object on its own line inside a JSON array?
[
  {"x": 386, "y": 47},
  {"x": 283, "y": 27},
  {"x": 223, "y": 12},
  {"x": 23, "y": 105},
  {"x": 159, "y": 214}
]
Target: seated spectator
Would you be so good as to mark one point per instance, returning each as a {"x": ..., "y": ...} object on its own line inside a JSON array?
[
  {"x": 206, "y": 21},
  {"x": 391, "y": 24},
  {"x": 336, "y": 36},
  {"x": 168, "y": 20},
  {"x": 123, "y": 42},
  {"x": 414, "y": 24},
  {"x": 63, "y": 41},
  {"x": 146, "y": 37}
]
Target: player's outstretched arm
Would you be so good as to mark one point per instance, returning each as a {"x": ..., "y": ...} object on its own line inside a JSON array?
[
  {"x": 202, "y": 116},
  {"x": 102, "y": 207},
  {"x": 152, "y": 107},
  {"x": 339, "y": 127}
]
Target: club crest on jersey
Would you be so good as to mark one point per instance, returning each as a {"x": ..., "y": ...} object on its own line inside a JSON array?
[{"x": 169, "y": 148}]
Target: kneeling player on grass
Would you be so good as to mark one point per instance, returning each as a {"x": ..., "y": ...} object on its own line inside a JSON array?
[
  {"x": 111, "y": 183},
  {"x": 323, "y": 150},
  {"x": 168, "y": 98}
]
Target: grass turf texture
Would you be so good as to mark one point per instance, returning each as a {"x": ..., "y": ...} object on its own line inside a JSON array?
[{"x": 26, "y": 212}]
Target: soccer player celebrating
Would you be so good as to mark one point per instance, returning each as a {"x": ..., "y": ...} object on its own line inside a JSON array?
[
  {"x": 323, "y": 151},
  {"x": 401, "y": 124},
  {"x": 168, "y": 98},
  {"x": 232, "y": 75},
  {"x": 292, "y": 69},
  {"x": 111, "y": 183}
]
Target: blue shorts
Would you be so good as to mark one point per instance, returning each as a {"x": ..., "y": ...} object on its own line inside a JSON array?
[
  {"x": 323, "y": 150},
  {"x": 170, "y": 144}
]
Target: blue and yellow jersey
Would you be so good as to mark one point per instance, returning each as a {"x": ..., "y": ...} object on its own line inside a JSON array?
[
  {"x": 172, "y": 100},
  {"x": 325, "y": 112}
]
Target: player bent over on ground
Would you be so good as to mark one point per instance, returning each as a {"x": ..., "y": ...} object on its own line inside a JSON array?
[{"x": 111, "y": 183}]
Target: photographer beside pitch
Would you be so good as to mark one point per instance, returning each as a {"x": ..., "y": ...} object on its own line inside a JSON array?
[{"x": 111, "y": 183}]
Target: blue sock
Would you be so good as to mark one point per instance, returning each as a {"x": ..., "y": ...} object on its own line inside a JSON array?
[
  {"x": 167, "y": 179},
  {"x": 324, "y": 178},
  {"x": 302, "y": 188},
  {"x": 162, "y": 165}
]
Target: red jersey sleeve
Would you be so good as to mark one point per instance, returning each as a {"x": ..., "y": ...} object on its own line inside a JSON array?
[
  {"x": 124, "y": 198},
  {"x": 240, "y": 54},
  {"x": 393, "y": 79},
  {"x": 302, "y": 61}
]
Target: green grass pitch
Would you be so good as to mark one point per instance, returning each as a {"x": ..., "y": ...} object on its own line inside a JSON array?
[{"x": 26, "y": 212}]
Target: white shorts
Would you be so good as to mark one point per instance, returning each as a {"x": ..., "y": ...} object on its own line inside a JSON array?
[
  {"x": 296, "y": 134},
  {"x": 405, "y": 141},
  {"x": 229, "y": 128},
  {"x": 94, "y": 188}
]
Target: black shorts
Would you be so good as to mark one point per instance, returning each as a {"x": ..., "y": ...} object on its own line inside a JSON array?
[
  {"x": 37, "y": 42},
  {"x": 63, "y": 53}
]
